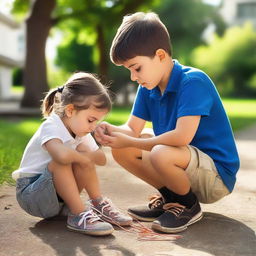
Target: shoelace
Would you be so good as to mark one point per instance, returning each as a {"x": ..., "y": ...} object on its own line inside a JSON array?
[
  {"x": 108, "y": 207},
  {"x": 174, "y": 208},
  {"x": 144, "y": 233},
  {"x": 155, "y": 201},
  {"x": 88, "y": 215}
]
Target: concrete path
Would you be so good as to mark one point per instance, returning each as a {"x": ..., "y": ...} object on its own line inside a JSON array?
[{"x": 227, "y": 229}]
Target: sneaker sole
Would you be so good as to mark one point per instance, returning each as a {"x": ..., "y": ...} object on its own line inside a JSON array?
[
  {"x": 196, "y": 218},
  {"x": 92, "y": 232},
  {"x": 137, "y": 217}
]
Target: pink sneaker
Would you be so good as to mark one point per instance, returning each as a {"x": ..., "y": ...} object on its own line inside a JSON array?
[{"x": 108, "y": 212}]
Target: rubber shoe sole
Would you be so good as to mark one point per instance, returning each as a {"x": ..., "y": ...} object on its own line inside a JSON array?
[
  {"x": 158, "y": 227},
  {"x": 137, "y": 217},
  {"x": 92, "y": 232}
]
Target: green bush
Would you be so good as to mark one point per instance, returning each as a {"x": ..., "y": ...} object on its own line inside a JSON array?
[{"x": 230, "y": 61}]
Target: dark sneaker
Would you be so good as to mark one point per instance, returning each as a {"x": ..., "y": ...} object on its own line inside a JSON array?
[
  {"x": 150, "y": 212},
  {"x": 177, "y": 218}
]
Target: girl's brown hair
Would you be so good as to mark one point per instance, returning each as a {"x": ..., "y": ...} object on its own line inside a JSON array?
[
  {"x": 82, "y": 90},
  {"x": 140, "y": 34}
]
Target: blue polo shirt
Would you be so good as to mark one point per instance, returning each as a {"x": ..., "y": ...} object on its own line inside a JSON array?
[{"x": 190, "y": 92}]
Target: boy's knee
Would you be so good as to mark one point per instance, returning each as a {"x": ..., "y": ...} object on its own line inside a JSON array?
[{"x": 158, "y": 156}]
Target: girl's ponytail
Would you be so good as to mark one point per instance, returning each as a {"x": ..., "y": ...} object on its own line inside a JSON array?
[{"x": 48, "y": 102}]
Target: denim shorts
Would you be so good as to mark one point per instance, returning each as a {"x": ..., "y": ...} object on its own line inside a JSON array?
[{"x": 37, "y": 195}]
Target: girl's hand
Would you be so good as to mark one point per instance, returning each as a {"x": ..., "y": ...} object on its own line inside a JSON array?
[{"x": 101, "y": 132}]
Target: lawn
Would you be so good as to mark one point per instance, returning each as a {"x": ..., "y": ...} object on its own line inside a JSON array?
[{"x": 16, "y": 133}]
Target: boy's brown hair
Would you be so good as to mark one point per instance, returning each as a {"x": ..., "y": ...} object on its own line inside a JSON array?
[{"x": 140, "y": 34}]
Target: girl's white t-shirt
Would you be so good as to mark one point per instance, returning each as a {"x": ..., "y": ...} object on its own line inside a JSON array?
[{"x": 35, "y": 158}]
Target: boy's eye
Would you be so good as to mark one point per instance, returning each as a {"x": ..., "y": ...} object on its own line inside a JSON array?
[
  {"x": 138, "y": 69},
  {"x": 90, "y": 120}
]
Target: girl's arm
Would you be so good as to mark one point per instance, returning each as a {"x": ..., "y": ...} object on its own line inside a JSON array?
[
  {"x": 65, "y": 155},
  {"x": 98, "y": 156},
  {"x": 182, "y": 135}
]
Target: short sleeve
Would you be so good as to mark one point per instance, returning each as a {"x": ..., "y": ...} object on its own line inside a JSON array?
[
  {"x": 195, "y": 99},
  {"x": 90, "y": 142},
  {"x": 49, "y": 132},
  {"x": 140, "y": 106}
]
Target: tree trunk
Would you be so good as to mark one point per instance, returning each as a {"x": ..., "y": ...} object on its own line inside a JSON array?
[
  {"x": 103, "y": 58},
  {"x": 38, "y": 26}
]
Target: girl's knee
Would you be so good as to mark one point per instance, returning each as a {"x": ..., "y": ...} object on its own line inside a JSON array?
[{"x": 54, "y": 166}]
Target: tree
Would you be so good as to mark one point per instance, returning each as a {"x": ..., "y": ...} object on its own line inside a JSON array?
[
  {"x": 186, "y": 21},
  {"x": 45, "y": 14},
  {"x": 71, "y": 56},
  {"x": 230, "y": 60}
]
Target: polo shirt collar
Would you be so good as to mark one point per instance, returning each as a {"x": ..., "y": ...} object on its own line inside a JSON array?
[{"x": 172, "y": 85}]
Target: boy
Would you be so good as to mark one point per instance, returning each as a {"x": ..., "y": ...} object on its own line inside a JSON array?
[{"x": 193, "y": 157}]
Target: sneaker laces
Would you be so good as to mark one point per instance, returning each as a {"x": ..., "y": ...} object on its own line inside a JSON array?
[
  {"x": 107, "y": 206},
  {"x": 155, "y": 201},
  {"x": 143, "y": 233},
  {"x": 88, "y": 215},
  {"x": 174, "y": 208}
]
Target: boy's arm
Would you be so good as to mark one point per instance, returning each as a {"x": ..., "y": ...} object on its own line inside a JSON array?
[
  {"x": 182, "y": 135},
  {"x": 132, "y": 127}
]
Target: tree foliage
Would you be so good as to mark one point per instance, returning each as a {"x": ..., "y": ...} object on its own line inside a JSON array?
[
  {"x": 230, "y": 60},
  {"x": 90, "y": 15},
  {"x": 186, "y": 21}
]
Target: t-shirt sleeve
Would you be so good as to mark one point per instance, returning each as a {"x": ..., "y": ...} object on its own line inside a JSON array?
[
  {"x": 195, "y": 99},
  {"x": 50, "y": 131},
  {"x": 140, "y": 106},
  {"x": 89, "y": 141}
]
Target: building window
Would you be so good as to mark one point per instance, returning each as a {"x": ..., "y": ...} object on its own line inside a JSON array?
[{"x": 246, "y": 10}]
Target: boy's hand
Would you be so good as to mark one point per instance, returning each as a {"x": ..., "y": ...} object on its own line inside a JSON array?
[
  {"x": 118, "y": 140},
  {"x": 101, "y": 132}
]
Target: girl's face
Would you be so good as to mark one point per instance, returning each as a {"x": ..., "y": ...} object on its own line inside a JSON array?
[{"x": 81, "y": 122}]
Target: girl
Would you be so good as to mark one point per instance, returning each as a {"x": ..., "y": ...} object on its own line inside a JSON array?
[{"x": 59, "y": 160}]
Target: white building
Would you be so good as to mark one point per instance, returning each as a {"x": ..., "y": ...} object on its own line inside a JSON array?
[
  {"x": 237, "y": 12},
  {"x": 12, "y": 52}
]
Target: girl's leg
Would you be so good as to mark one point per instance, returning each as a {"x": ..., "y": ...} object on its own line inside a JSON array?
[
  {"x": 66, "y": 186},
  {"x": 86, "y": 178}
]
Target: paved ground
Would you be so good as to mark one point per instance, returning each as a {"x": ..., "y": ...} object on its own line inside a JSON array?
[{"x": 228, "y": 228}]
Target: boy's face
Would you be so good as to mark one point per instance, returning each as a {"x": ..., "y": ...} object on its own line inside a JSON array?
[{"x": 146, "y": 71}]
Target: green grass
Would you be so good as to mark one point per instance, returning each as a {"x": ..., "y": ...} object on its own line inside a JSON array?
[
  {"x": 241, "y": 112},
  {"x": 16, "y": 133}
]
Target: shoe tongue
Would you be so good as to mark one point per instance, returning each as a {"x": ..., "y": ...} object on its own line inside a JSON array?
[{"x": 156, "y": 204}]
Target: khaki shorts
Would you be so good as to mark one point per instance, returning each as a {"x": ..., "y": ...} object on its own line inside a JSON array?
[{"x": 204, "y": 178}]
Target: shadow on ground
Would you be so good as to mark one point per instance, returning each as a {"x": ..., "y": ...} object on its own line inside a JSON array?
[
  {"x": 215, "y": 235},
  {"x": 219, "y": 235},
  {"x": 67, "y": 243}
]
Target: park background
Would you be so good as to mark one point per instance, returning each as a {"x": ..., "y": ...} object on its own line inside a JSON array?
[{"x": 64, "y": 36}]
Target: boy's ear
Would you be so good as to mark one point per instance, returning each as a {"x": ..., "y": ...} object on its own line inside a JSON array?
[
  {"x": 161, "y": 54},
  {"x": 69, "y": 110}
]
